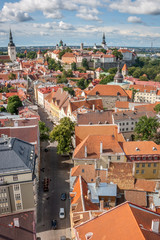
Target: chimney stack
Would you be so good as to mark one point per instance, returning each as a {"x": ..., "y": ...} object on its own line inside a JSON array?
[
  {"x": 155, "y": 225},
  {"x": 101, "y": 147},
  {"x": 101, "y": 204},
  {"x": 93, "y": 107},
  {"x": 85, "y": 151}
]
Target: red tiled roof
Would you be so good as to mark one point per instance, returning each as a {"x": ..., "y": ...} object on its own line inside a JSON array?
[
  {"x": 107, "y": 90},
  {"x": 124, "y": 105}
]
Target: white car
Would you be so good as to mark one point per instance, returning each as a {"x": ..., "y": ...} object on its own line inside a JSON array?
[{"x": 61, "y": 213}]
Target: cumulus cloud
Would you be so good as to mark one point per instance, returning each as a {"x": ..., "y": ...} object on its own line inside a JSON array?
[
  {"x": 54, "y": 25},
  {"x": 136, "y": 7},
  {"x": 20, "y": 10},
  {"x": 134, "y": 19},
  {"x": 88, "y": 14}
]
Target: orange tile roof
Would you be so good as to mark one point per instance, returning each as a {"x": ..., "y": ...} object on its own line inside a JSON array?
[
  {"x": 141, "y": 88},
  {"x": 148, "y": 107},
  {"x": 126, "y": 221},
  {"x": 110, "y": 145},
  {"x": 50, "y": 96},
  {"x": 136, "y": 197},
  {"x": 81, "y": 132},
  {"x": 141, "y": 148},
  {"x": 89, "y": 173},
  {"x": 107, "y": 90},
  {"x": 87, "y": 103},
  {"x": 124, "y": 67},
  {"x": 120, "y": 104},
  {"x": 145, "y": 185},
  {"x": 124, "y": 50},
  {"x": 129, "y": 93}
]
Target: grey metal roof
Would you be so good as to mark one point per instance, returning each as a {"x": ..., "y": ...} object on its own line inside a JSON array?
[
  {"x": 16, "y": 155},
  {"x": 104, "y": 189}
]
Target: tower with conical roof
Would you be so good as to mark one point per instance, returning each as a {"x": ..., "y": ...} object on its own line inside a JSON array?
[
  {"x": 11, "y": 48},
  {"x": 118, "y": 78}
]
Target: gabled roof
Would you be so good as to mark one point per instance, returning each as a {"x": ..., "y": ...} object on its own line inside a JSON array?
[
  {"x": 143, "y": 88},
  {"x": 120, "y": 104},
  {"x": 81, "y": 132},
  {"x": 88, "y": 103},
  {"x": 109, "y": 145},
  {"x": 141, "y": 148},
  {"x": 107, "y": 90},
  {"x": 124, "y": 67},
  {"x": 97, "y": 117},
  {"x": 136, "y": 197},
  {"x": 131, "y": 115},
  {"x": 126, "y": 221}
]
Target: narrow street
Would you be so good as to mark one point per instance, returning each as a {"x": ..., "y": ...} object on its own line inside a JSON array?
[{"x": 57, "y": 169}]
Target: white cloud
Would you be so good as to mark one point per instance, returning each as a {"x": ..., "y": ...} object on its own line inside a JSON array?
[
  {"x": 134, "y": 19},
  {"x": 20, "y": 10},
  {"x": 88, "y": 14},
  {"x": 151, "y": 7},
  {"x": 57, "y": 26}
]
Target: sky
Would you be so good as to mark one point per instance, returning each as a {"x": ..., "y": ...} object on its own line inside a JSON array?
[{"x": 45, "y": 22}]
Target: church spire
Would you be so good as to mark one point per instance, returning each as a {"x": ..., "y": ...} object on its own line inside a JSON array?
[
  {"x": 103, "y": 39},
  {"x": 11, "y": 39}
]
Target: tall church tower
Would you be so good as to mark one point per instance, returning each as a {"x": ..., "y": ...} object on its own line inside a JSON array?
[
  {"x": 104, "y": 45},
  {"x": 11, "y": 48}
]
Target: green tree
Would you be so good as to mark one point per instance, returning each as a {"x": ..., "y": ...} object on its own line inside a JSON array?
[
  {"x": 143, "y": 78},
  {"x": 63, "y": 133},
  {"x": 112, "y": 70},
  {"x": 131, "y": 70},
  {"x": 44, "y": 131},
  {"x": 12, "y": 76},
  {"x": 73, "y": 66},
  {"x": 157, "y": 108},
  {"x": 146, "y": 128},
  {"x": 69, "y": 90},
  {"x": 117, "y": 54},
  {"x": 83, "y": 83},
  {"x": 2, "y": 109},
  {"x": 21, "y": 55},
  {"x": 107, "y": 79},
  {"x": 157, "y": 78},
  {"x": 32, "y": 55},
  {"x": 85, "y": 63},
  {"x": 103, "y": 50},
  {"x": 137, "y": 73},
  {"x": 13, "y": 104}
]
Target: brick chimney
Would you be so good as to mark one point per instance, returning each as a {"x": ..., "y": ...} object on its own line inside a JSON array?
[
  {"x": 101, "y": 147},
  {"x": 85, "y": 151},
  {"x": 101, "y": 204}
]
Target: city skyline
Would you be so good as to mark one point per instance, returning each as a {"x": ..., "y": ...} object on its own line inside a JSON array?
[{"x": 36, "y": 23}]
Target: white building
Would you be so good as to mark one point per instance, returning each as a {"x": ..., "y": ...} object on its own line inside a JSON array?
[{"x": 11, "y": 48}]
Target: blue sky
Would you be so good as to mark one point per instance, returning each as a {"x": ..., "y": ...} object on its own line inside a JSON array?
[{"x": 37, "y": 22}]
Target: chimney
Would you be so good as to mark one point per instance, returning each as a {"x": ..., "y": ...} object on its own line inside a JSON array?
[
  {"x": 93, "y": 107},
  {"x": 133, "y": 108},
  {"x": 115, "y": 109},
  {"x": 101, "y": 204},
  {"x": 89, "y": 194},
  {"x": 155, "y": 225},
  {"x": 101, "y": 147},
  {"x": 16, "y": 222},
  {"x": 15, "y": 123},
  {"x": 85, "y": 151}
]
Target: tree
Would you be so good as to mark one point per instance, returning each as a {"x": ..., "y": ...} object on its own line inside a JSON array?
[
  {"x": 63, "y": 133},
  {"x": 107, "y": 79},
  {"x": 82, "y": 83},
  {"x": 44, "y": 131},
  {"x": 117, "y": 54},
  {"x": 112, "y": 70},
  {"x": 31, "y": 55},
  {"x": 69, "y": 90},
  {"x": 85, "y": 63},
  {"x": 143, "y": 78},
  {"x": 13, "y": 104},
  {"x": 157, "y": 108},
  {"x": 146, "y": 128},
  {"x": 137, "y": 73},
  {"x": 12, "y": 76},
  {"x": 103, "y": 50},
  {"x": 73, "y": 66},
  {"x": 2, "y": 109}
]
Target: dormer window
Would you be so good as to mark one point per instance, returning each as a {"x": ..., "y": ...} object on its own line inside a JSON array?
[
  {"x": 154, "y": 149},
  {"x": 137, "y": 149}
]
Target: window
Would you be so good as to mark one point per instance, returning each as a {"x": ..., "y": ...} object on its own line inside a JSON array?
[
  {"x": 119, "y": 124},
  {"x": 155, "y": 158},
  {"x": 126, "y": 129},
  {"x": 92, "y": 180},
  {"x": 154, "y": 171},
  {"x": 123, "y": 124},
  {"x": 118, "y": 157},
  {"x": 137, "y": 165},
  {"x": 132, "y": 123},
  {"x": 138, "y": 158},
  {"x": 143, "y": 164},
  {"x": 17, "y": 196},
  {"x": 137, "y": 171},
  {"x": 109, "y": 157},
  {"x": 122, "y": 129},
  {"x": 150, "y": 157},
  {"x": 16, "y": 187},
  {"x": 149, "y": 164},
  {"x": 127, "y": 123},
  {"x": 144, "y": 158},
  {"x": 155, "y": 164},
  {"x": 132, "y": 158},
  {"x": 82, "y": 170},
  {"x": 19, "y": 206},
  {"x": 15, "y": 178},
  {"x": 142, "y": 171}
]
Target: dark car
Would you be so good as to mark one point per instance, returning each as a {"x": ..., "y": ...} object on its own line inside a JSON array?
[
  {"x": 54, "y": 224},
  {"x": 63, "y": 196}
]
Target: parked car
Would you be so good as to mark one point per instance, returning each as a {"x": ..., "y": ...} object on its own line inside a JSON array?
[
  {"x": 54, "y": 224},
  {"x": 63, "y": 238},
  {"x": 61, "y": 213},
  {"x": 63, "y": 196}
]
